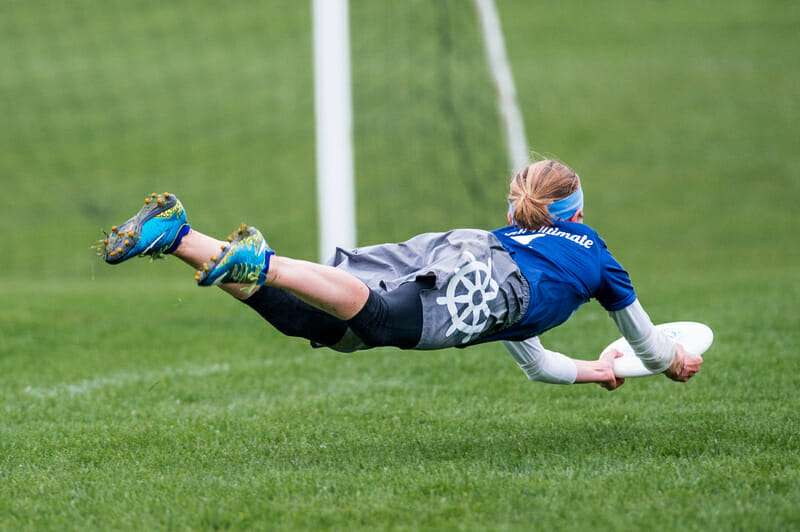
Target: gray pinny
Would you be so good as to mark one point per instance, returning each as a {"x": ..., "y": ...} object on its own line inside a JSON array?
[{"x": 477, "y": 290}]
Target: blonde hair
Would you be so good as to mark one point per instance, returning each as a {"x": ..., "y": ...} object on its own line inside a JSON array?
[{"x": 535, "y": 187}]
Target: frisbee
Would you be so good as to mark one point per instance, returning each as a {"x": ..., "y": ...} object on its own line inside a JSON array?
[{"x": 695, "y": 337}]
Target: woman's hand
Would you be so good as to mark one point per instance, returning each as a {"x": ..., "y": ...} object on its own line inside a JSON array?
[
  {"x": 684, "y": 366},
  {"x": 609, "y": 379},
  {"x": 600, "y": 371}
]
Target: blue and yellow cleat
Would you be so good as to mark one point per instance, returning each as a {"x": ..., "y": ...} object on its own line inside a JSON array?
[
  {"x": 156, "y": 230},
  {"x": 244, "y": 260}
]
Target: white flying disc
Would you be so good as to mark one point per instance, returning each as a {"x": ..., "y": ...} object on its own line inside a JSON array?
[{"x": 695, "y": 337}]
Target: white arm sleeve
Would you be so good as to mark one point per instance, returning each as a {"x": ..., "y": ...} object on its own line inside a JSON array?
[
  {"x": 539, "y": 364},
  {"x": 654, "y": 348}
]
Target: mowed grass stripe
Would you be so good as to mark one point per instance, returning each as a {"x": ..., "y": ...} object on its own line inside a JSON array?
[{"x": 295, "y": 437}]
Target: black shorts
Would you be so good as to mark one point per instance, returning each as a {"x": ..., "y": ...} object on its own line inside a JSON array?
[{"x": 391, "y": 318}]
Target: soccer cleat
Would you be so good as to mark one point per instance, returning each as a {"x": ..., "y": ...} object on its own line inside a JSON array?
[
  {"x": 155, "y": 230},
  {"x": 244, "y": 260}
]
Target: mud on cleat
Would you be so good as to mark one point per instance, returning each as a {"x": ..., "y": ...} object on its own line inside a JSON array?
[
  {"x": 244, "y": 260},
  {"x": 156, "y": 230}
]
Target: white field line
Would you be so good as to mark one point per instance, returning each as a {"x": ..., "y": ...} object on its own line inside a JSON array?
[
  {"x": 510, "y": 115},
  {"x": 149, "y": 378}
]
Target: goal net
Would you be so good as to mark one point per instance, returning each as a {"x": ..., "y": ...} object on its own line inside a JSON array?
[{"x": 103, "y": 102}]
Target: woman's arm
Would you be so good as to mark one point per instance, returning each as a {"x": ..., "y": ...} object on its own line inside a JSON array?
[
  {"x": 658, "y": 352},
  {"x": 543, "y": 365}
]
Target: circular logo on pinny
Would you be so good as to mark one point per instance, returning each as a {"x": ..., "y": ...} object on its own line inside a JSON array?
[{"x": 467, "y": 298}]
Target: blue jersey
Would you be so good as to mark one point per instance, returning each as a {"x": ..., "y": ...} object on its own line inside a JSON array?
[{"x": 565, "y": 265}]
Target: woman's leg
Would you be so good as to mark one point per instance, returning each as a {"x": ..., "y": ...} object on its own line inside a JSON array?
[
  {"x": 161, "y": 227},
  {"x": 329, "y": 289},
  {"x": 320, "y": 302},
  {"x": 197, "y": 249},
  {"x": 281, "y": 309},
  {"x": 294, "y": 317},
  {"x": 324, "y": 287}
]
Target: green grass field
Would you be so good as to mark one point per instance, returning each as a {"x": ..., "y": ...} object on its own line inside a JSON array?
[{"x": 132, "y": 400}]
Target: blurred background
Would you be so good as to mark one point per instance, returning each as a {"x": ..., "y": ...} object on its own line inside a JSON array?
[
  {"x": 124, "y": 389},
  {"x": 681, "y": 118}
]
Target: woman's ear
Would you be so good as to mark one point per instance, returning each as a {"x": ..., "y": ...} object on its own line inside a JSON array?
[{"x": 577, "y": 217}]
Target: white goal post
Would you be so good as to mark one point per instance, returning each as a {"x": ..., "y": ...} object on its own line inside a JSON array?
[
  {"x": 334, "y": 126},
  {"x": 333, "y": 108}
]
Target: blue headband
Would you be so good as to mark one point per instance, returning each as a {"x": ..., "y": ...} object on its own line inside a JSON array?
[{"x": 566, "y": 208}]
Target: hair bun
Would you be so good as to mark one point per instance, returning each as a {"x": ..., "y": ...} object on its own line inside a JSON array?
[{"x": 535, "y": 187}]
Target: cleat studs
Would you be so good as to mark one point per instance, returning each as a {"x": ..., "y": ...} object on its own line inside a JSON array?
[
  {"x": 130, "y": 234},
  {"x": 127, "y": 242},
  {"x": 105, "y": 241},
  {"x": 222, "y": 247},
  {"x": 166, "y": 195},
  {"x": 230, "y": 239},
  {"x": 153, "y": 195},
  {"x": 120, "y": 234},
  {"x": 112, "y": 253},
  {"x": 119, "y": 250},
  {"x": 159, "y": 201},
  {"x": 113, "y": 227},
  {"x": 147, "y": 200},
  {"x": 196, "y": 277}
]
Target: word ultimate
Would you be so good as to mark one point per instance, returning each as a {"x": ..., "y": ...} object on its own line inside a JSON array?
[{"x": 581, "y": 240}]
